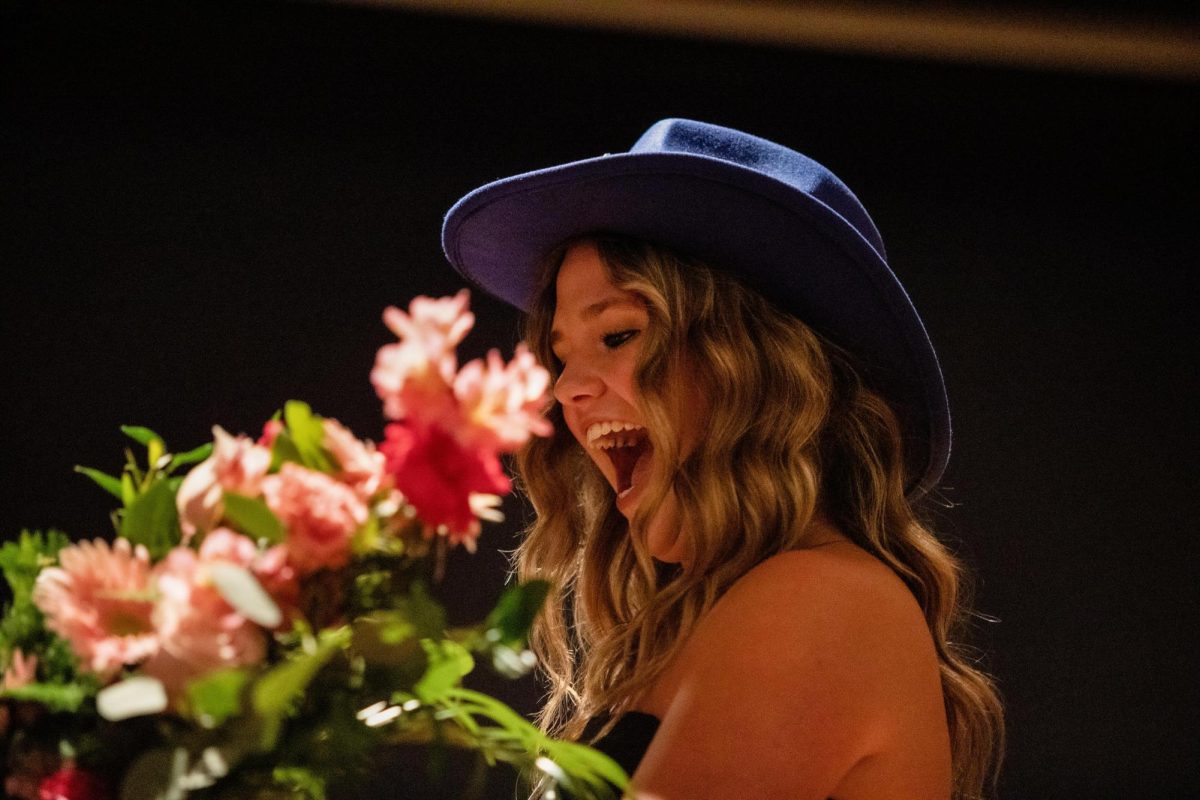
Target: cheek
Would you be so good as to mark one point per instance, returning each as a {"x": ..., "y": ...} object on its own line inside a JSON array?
[
  {"x": 580, "y": 437},
  {"x": 573, "y": 425},
  {"x": 624, "y": 383}
]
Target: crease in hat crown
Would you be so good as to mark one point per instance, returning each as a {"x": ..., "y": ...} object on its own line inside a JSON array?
[
  {"x": 675, "y": 135},
  {"x": 780, "y": 220}
]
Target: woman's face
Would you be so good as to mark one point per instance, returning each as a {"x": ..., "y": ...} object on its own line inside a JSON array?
[{"x": 597, "y": 334}]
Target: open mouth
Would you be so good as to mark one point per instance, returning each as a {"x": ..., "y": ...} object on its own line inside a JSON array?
[{"x": 626, "y": 445}]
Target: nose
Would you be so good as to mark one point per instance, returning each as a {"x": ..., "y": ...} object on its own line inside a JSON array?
[{"x": 576, "y": 384}]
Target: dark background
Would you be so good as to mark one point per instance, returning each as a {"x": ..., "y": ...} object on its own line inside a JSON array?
[{"x": 206, "y": 207}]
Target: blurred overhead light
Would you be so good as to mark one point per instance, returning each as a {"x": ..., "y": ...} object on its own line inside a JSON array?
[{"x": 1015, "y": 38}]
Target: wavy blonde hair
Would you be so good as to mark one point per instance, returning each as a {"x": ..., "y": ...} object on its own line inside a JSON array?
[{"x": 796, "y": 434}]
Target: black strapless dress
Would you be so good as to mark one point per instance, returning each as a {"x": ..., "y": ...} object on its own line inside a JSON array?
[
  {"x": 626, "y": 743},
  {"x": 629, "y": 739}
]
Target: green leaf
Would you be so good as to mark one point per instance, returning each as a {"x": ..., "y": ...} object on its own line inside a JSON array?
[
  {"x": 367, "y": 538},
  {"x": 513, "y": 615},
  {"x": 55, "y": 697},
  {"x": 217, "y": 696},
  {"x": 23, "y": 559},
  {"x": 586, "y": 772},
  {"x": 584, "y": 763},
  {"x": 108, "y": 483},
  {"x": 300, "y": 780},
  {"x": 22, "y": 624},
  {"x": 193, "y": 760},
  {"x": 176, "y": 772},
  {"x": 284, "y": 449},
  {"x": 387, "y": 641},
  {"x": 448, "y": 662},
  {"x": 274, "y": 694},
  {"x": 152, "y": 519},
  {"x": 155, "y": 775},
  {"x": 425, "y": 613},
  {"x": 194, "y": 456},
  {"x": 154, "y": 453},
  {"x": 252, "y": 517},
  {"x": 140, "y": 435},
  {"x": 308, "y": 435},
  {"x": 128, "y": 492}
]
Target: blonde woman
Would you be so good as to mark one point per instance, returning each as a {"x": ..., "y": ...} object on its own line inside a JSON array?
[{"x": 748, "y": 412}]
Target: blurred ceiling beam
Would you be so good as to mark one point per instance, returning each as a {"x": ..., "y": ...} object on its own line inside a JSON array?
[{"x": 1014, "y": 38}]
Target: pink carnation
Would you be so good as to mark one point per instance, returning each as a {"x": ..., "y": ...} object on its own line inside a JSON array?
[
  {"x": 362, "y": 467},
  {"x": 436, "y": 324},
  {"x": 438, "y": 476},
  {"x": 320, "y": 514},
  {"x": 278, "y": 577},
  {"x": 502, "y": 404},
  {"x": 100, "y": 600},
  {"x": 413, "y": 377},
  {"x": 198, "y": 630},
  {"x": 237, "y": 465}
]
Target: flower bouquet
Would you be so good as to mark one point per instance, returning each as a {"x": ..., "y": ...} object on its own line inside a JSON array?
[{"x": 263, "y": 623}]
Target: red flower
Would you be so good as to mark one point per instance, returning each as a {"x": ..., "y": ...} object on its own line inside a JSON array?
[
  {"x": 70, "y": 783},
  {"x": 437, "y": 475}
]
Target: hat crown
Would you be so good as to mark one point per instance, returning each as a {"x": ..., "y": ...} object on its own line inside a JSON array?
[{"x": 766, "y": 158}]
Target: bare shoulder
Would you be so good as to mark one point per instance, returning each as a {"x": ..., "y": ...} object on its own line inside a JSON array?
[
  {"x": 815, "y": 667},
  {"x": 834, "y": 616},
  {"x": 821, "y": 594}
]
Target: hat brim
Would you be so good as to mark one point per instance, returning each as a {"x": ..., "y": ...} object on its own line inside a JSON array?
[{"x": 781, "y": 241}]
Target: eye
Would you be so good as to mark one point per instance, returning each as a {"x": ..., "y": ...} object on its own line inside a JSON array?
[{"x": 614, "y": 340}]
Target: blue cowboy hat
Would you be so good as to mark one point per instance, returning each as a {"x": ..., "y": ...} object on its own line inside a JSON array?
[{"x": 787, "y": 226}]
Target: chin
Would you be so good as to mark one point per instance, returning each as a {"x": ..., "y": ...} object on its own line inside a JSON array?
[
  {"x": 674, "y": 553},
  {"x": 664, "y": 539}
]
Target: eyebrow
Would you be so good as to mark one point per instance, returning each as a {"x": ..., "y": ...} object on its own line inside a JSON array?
[{"x": 594, "y": 310}]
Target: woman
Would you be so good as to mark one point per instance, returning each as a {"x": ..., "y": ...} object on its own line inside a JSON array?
[{"x": 747, "y": 408}]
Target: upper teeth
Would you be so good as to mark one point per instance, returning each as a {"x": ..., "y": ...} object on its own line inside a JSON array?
[{"x": 602, "y": 429}]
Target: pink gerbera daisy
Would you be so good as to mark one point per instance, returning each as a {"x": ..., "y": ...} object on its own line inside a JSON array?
[{"x": 99, "y": 600}]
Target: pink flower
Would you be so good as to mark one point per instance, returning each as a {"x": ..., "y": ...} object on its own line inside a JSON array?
[
  {"x": 271, "y": 429},
  {"x": 99, "y": 599},
  {"x": 437, "y": 475},
  {"x": 502, "y": 404},
  {"x": 407, "y": 382},
  {"x": 362, "y": 466},
  {"x": 236, "y": 465},
  {"x": 436, "y": 325},
  {"x": 200, "y": 499},
  {"x": 198, "y": 630},
  {"x": 21, "y": 670},
  {"x": 270, "y": 567},
  {"x": 320, "y": 514},
  {"x": 413, "y": 377},
  {"x": 278, "y": 577},
  {"x": 452, "y": 424},
  {"x": 223, "y": 544}
]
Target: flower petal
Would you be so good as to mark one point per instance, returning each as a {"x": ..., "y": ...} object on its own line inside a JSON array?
[
  {"x": 242, "y": 590},
  {"x": 133, "y": 697}
]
